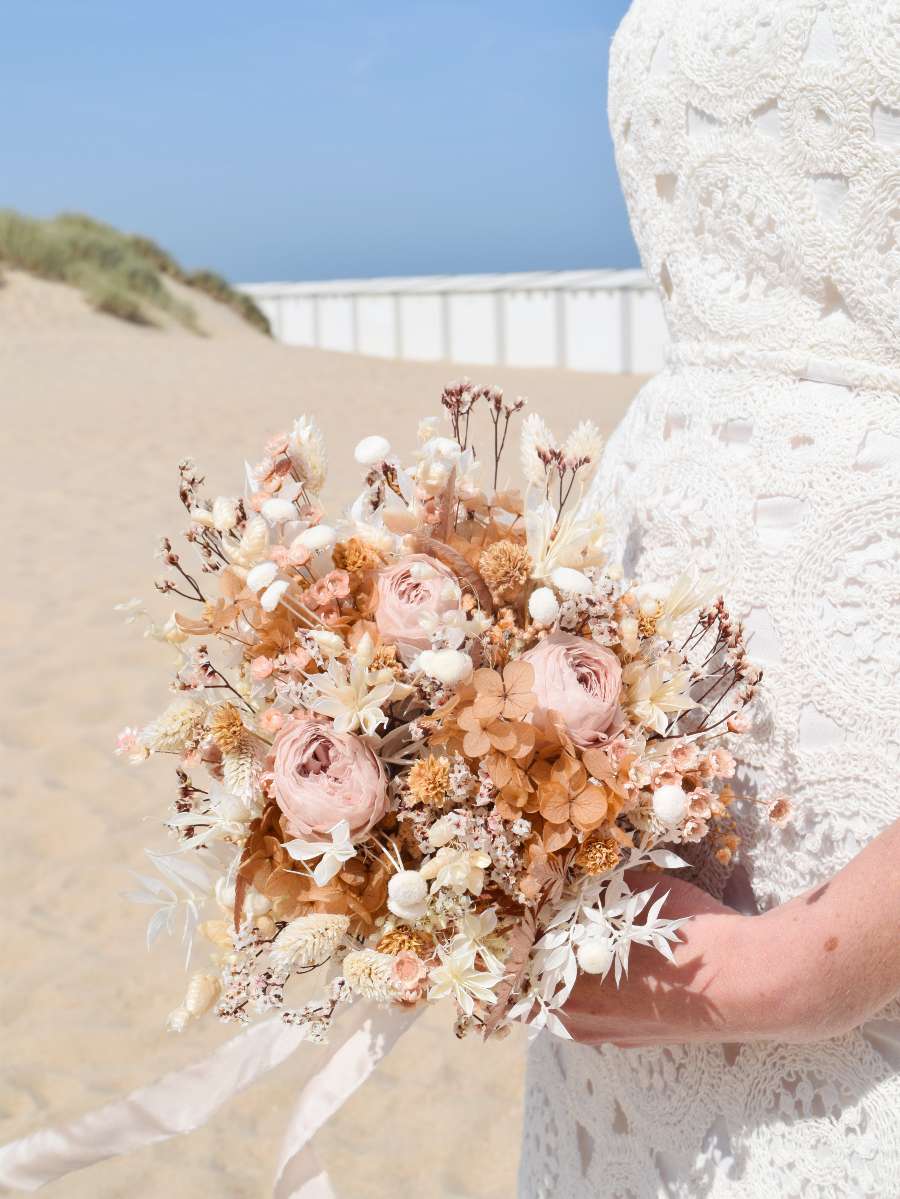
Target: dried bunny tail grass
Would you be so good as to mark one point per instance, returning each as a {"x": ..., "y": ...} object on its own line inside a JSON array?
[
  {"x": 309, "y": 940},
  {"x": 368, "y": 973},
  {"x": 306, "y": 447},
  {"x": 460, "y": 567},
  {"x": 536, "y": 443},
  {"x": 179, "y": 726}
]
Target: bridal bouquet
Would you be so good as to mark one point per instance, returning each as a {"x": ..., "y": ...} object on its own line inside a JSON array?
[{"x": 422, "y": 750}]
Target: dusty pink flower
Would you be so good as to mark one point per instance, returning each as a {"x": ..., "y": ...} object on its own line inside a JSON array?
[
  {"x": 338, "y": 583},
  {"x": 321, "y": 777},
  {"x": 684, "y": 758},
  {"x": 722, "y": 763},
  {"x": 280, "y": 555},
  {"x": 271, "y": 720},
  {"x": 408, "y": 977},
  {"x": 261, "y": 668},
  {"x": 403, "y": 598},
  {"x": 582, "y": 682},
  {"x": 738, "y": 724},
  {"x": 298, "y": 554}
]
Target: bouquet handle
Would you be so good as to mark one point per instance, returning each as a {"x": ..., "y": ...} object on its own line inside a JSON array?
[{"x": 187, "y": 1099}]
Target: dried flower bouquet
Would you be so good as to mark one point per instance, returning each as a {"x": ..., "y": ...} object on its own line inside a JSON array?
[{"x": 435, "y": 738}]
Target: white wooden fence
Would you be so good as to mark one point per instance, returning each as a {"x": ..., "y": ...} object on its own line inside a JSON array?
[{"x": 584, "y": 320}]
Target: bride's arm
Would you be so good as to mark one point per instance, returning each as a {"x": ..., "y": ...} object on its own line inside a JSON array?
[{"x": 813, "y": 968}]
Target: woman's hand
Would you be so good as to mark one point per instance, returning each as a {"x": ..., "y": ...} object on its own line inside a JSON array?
[{"x": 811, "y": 969}]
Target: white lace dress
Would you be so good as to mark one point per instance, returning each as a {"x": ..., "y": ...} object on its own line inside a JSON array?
[{"x": 758, "y": 143}]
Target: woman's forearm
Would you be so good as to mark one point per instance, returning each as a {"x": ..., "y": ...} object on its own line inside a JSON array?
[{"x": 834, "y": 953}]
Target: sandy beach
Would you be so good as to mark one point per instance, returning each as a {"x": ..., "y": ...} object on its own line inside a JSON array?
[{"x": 96, "y": 414}]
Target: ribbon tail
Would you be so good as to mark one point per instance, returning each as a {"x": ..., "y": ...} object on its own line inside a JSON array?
[
  {"x": 376, "y": 1033},
  {"x": 175, "y": 1104}
]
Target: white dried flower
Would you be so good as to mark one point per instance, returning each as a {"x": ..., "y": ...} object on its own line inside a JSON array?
[
  {"x": 178, "y": 727},
  {"x": 261, "y": 576},
  {"x": 670, "y": 804},
  {"x": 450, "y": 666},
  {"x": 571, "y": 582},
  {"x": 177, "y": 1020},
  {"x": 272, "y": 596},
  {"x": 202, "y": 992},
  {"x": 595, "y": 955},
  {"x": 584, "y": 442},
  {"x": 224, "y": 513},
  {"x": 253, "y": 546},
  {"x": 543, "y": 606},
  {"x": 408, "y": 895},
  {"x": 278, "y": 510},
  {"x": 319, "y": 537},
  {"x": 536, "y": 437},
  {"x": 368, "y": 973},
  {"x": 308, "y": 940},
  {"x": 306, "y": 448},
  {"x": 372, "y": 450}
]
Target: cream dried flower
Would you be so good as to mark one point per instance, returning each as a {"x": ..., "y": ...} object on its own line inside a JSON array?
[
  {"x": 584, "y": 443},
  {"x": 306, "y": 447},
  {"x": 368, "y": 973},
  {"x": 536, "y": 442},
  {"x": 308, "y": 940},
  {"x": 656, "y": 692},
  {"x": 180, "y": 726}
]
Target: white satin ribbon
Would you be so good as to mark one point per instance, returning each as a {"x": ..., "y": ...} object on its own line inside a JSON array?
[{"x": 186, "y": 1099}]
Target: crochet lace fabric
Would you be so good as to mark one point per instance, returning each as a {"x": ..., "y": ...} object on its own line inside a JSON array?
[{"x": 758, "y": 143}]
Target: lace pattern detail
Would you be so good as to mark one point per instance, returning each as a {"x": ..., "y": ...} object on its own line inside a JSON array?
[{"x": 759, "y": 147}]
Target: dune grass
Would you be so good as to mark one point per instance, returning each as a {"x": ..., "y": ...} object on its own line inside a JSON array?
[{"x": 118, "y": 273}]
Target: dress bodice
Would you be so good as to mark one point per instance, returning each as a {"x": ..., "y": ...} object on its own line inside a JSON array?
[{"x": 758, "y": 144}]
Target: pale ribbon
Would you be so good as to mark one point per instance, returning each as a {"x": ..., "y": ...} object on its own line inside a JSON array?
[{"x": 186, "y": 1099}]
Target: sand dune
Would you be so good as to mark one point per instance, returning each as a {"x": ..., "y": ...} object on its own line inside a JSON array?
[{"x": 95, "y": 416}]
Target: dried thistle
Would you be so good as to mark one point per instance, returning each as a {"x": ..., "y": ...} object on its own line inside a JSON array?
[
  {"x": 505, "y": 567},
  {"x": 227, "y": 729},
  {"x": 598, "y": 855},
  {"x": 355, "y": 556},
  {"x": 429, "y": 781},
  {"x": 406, "y": 940}
]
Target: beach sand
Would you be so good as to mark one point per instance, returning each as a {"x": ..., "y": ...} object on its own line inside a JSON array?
[{"x": 95, "y": 416}]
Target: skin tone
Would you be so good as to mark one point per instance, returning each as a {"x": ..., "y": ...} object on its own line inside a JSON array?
[{"x": 811, "y": 969}]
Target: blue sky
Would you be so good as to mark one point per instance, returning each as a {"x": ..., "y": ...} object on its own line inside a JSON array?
[{"x": 320, "y": 139}]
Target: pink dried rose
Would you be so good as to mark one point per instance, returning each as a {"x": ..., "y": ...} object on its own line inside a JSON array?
[
  {"x": 321, "y": 777},
  {"x": 582, "y": 682},
  {"x": 409, "y": 590},
  {"x": 408, "y": 977}
]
